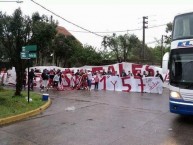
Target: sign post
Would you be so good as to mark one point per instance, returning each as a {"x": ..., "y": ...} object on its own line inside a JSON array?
[{"x": 28, "y": 52}]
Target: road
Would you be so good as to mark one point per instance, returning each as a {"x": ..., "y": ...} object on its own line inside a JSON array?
[{"x": 102, "y": 118}]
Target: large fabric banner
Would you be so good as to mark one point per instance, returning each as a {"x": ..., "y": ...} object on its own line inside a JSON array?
[{"x": 107, "y": 82}]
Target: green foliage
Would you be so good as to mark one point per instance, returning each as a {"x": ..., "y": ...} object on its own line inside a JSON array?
[
  {"x": 168, "y": 37},
  {"x": 121, "y": 45},
  {"x": 86, "y": 56},
  {"x": 17, "y": 31},
  {"x": 43, "y": 32},
  {"x": 16, "y": 105}
]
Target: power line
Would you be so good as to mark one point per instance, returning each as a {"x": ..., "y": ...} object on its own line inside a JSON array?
[
  {"x": 66, "y": 19},
  {"x": 152, "y": 42},
  {"x": 88, "y": 31},
  {"x": 119, "y": 31},
  {"x": 18, "y": 1}
]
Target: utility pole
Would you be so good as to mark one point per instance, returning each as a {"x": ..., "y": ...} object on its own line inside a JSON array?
[
  {"x": 161, "y": 49},
  {"x": 144, "y": 27}
]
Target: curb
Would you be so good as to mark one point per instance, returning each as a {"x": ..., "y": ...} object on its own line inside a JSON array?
[{"x": 25, "y": 115}]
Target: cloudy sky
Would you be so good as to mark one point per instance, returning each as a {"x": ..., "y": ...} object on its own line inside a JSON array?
[{"x": 107, "y": 16}]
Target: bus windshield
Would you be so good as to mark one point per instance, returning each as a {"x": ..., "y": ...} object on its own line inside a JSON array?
[
  {"x": 183, "y": 27},
  {"x": 181, "y": 67}
]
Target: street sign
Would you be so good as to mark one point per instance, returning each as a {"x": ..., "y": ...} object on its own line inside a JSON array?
[
  {"x": 29, "y": 48},
  {"x": 24, "y": 55},
  {"x": 32, "y": 55}
]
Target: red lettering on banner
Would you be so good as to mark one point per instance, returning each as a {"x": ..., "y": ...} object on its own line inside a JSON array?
[
  {"x": 154, "y": 85},
  {"x": 149, "y": 70},
  {"x": 111, "y": 68},
  {"x": 104, "y": 84},
  {"x": 114, "y": 84},
  {"x": 166, "y": 77},
  {"x": 67, "y": 80},
  {"x": 67, "y": 71},
  {"x": 94, "y": 69},
  {"x": 141, "y": 83},
  {"x": 126, "y": 85},
  {"x": 120, "y": 68},
  {"x": 135, "y": 68}
]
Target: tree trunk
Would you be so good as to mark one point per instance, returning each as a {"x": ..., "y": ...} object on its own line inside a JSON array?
[{"x": 19, "y": 76}]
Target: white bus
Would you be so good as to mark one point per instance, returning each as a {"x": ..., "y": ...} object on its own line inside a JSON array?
[{"x": 181, "y": 65}]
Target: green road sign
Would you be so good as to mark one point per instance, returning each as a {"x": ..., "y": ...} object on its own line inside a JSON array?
[
  {"x": 29, "y": 48},
  {"x": 24, "y": 55},
  {"x": 32, "y": 55}
]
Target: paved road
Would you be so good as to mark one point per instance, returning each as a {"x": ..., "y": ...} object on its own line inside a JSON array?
[{"x": 102, "y": 118}]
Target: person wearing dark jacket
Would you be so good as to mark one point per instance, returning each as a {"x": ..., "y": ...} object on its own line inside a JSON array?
[
  {"x": 159, "y": 75},
  {"x": 31, "y": 78},
  {"x": 45, "y": 78}
]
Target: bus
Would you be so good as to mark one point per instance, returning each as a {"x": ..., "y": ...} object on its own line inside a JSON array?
[{"x": 181, "y": 65}]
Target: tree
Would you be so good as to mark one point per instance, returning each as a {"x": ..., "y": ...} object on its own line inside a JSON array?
[
  {"x": 122, "y": 45},
  {"x": 14, "y": 32},
  {"x": 112, "y": 43},
  {"x": 64, "y": 48},
  {"x": 17, "y": 31},
  {"x": 168, "y": 37},
  {"x": 86, "y": 55},
  {"x": 43, "y": 32}
]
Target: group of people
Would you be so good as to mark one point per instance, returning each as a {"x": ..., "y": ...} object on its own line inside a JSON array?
[
  {"x": 81, "y": 79},
  {"x": 144, "y": 74},
  {"x": 48, "y": 78}
]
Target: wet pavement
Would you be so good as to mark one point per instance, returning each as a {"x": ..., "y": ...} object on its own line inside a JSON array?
[{"x": 102, "y": 118}]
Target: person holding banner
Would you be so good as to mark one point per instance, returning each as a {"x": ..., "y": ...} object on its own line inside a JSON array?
[
  {"x": 31, "y": 78},
  {"x": 123, "y": 74},
  {"x": 160, "y": 85},
  {"x": 145, "y": 74},
  {"x": 159, "y": 75},
  {"x": 89, "y": 79},
  {"x": 45, "y": 78},
  {"x": 130, "y": 74},
  {"x": 138, "y": 74},
  {"x": 56, "y": 80},
  {"x": 96, "y": 79}
]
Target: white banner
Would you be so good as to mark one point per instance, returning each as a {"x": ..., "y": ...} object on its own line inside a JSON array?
[{"x": 107, "y": 82}]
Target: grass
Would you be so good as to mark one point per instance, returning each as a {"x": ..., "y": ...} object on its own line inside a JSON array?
[{"x": 12, "y": 105}]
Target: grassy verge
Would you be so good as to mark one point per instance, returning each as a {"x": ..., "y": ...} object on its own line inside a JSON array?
[{"x": 12, "y": 105}]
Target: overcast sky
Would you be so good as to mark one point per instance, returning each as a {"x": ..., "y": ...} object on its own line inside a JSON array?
[{"x": 107, "y": 15}]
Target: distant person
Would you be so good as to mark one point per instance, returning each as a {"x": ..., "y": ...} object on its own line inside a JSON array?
[
  {"x": 159, "y": 75},
  {"x": 89, "y": 79},
  {"x": 45, "y": 78},
  {"x": 103, "y": 73},
  {"x": 123, "y": 74},
  {"x": 96, "y": 78},
  {"x": 31, "y": 79},
  {"x": 130, "y": 74},
  {"x": 138, "y": 74},
  {"x": 109, "y": 72},
  {"x": 56, "y": 80},
  {"x": 145, "y": 74},
  {"x": 77, "y": 72},
  {"x": 150, "y": 74},
  {"x": 24, "y": 80}
]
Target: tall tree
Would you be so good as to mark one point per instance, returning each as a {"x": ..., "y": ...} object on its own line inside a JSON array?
[
  {"x": 168, "y": 30},
  {"x": 112, "y": 43},
  {"x": 64, "y": 47},
  {"x": 121, "y": 45},
  {"x": 43, "y": 32},
  {"x": 14, "y": 33},
  {"x": 17, "y": 31},
  {"x": 86, "y": 55}
]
